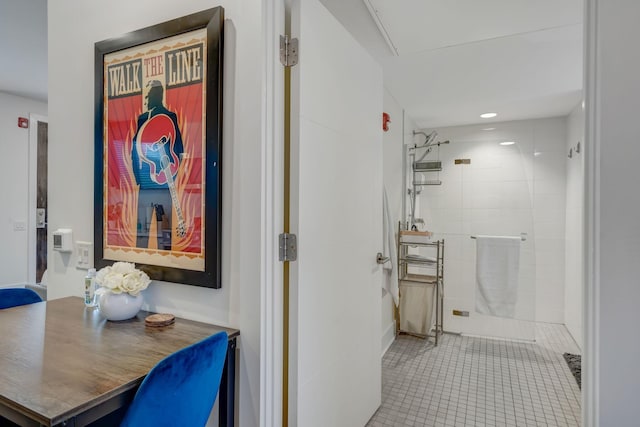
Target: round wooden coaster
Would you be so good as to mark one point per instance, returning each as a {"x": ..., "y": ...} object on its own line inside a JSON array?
[
  {"x": 158, "y": 325},
  {"x": 159, "y": 319},
  {"x": 147, "y": 325}
]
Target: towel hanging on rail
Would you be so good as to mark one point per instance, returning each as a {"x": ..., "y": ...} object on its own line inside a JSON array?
[
  {"x": 390, "y": 281},
  {"x": 497, "y": 268}
]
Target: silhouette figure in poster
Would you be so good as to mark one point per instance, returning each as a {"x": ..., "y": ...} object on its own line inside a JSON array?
[{"x": 156, "y": 154}]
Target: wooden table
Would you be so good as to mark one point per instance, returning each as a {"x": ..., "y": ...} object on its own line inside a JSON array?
[{"x": 63, "y": 364}]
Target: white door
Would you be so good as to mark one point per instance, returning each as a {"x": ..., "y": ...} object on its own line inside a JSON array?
[{"x": 336, "y": 211}]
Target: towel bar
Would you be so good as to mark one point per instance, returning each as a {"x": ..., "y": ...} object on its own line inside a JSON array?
[{"x": 523, "y": 236}]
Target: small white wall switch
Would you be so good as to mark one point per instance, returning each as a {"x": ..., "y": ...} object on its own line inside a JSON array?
[
  {"x": 19, "y": 225},
  {"x": 84, "y": 255},
  {"x": 63, "y": 240}
]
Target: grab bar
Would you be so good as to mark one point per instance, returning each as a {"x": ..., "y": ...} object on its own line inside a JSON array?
[{"x": 523, "y": 236}]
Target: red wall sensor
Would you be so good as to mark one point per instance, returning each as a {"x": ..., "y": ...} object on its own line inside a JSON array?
[{"x": 385, "y": 122}]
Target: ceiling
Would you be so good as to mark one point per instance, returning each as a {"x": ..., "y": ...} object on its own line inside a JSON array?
[
  {"x": 23, "y": 45},
  {"x": 446, "y": 62}
]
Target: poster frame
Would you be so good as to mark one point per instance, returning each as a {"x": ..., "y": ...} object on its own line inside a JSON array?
[{"x": 212, "y": 20}]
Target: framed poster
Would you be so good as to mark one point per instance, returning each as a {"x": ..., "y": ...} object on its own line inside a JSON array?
[{"x": 158, "y": 146}]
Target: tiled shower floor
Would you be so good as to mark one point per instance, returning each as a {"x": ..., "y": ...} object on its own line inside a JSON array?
[{"x": 468, "y": 381}]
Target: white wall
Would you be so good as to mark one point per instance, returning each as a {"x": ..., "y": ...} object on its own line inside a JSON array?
[
  {"x": 392, "y": 178},
  {"x": 74, "y": 27},
  {"x": 14, "y": 175},
  {"x": 613, "y": 347},
  {"x": 506, "y": 190},
  {"x": 574, "y": 225}
]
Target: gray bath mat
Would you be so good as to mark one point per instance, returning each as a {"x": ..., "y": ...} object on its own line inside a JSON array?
[{"x": 575, "y": 365}]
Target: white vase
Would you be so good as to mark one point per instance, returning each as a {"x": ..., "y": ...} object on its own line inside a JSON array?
[{"x": 119, "y": 306}]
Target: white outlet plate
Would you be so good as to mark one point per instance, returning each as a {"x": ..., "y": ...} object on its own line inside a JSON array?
[{"x": 84, "y": 255}]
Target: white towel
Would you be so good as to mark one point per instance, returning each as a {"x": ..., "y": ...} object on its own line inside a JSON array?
[
  {"x": 497, "y": 265},
  {"x": 390, "y": 279}
]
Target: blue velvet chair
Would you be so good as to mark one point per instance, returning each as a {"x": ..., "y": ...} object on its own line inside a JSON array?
[
  {"x": 12, "y": 297},
  {"x": 181, "y": 389}
]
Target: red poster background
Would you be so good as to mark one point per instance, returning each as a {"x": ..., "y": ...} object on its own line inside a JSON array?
[{"x": 121, "y": 189}]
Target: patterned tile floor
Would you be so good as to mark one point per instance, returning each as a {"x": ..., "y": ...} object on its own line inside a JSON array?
[{"x": 470, "y": 381}]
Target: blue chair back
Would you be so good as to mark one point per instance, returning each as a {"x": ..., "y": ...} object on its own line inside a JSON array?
[
  {"x": 12, "y": 297},
  {"x": 182, "y": 388}
]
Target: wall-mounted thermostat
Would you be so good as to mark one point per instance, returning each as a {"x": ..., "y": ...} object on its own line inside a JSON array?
[{"x": 62, "y": 240}]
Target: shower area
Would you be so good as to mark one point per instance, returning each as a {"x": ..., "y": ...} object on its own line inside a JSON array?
[{"x": 502, "y": 180}]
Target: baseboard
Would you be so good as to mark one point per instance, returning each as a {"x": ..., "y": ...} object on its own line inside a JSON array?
[{"x": 388, "y": 337}]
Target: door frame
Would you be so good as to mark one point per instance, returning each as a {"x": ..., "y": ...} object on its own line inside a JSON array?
[
  {"x": 272, "y": 179},
  {"x": 591, "y": 224},
  {"x": 272, "y": 214},
  {"x": 34, "y": 119}
]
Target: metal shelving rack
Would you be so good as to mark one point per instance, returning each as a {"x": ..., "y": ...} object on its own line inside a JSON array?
[{"x": 436, "y": 279}]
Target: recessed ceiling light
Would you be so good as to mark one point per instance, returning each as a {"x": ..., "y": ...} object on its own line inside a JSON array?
[
  {"x": 489, "y": 129},
  {"x": 488, "y": 115},
  {"x": 507, "y": 143}
]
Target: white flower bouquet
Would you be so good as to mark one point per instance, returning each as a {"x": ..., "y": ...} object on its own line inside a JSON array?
[{"x": 122, "y": 277}]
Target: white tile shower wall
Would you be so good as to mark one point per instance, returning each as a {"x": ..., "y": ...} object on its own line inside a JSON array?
[
  {"x": 506, "y": 190},
  {"x": 574, "y": 225}
]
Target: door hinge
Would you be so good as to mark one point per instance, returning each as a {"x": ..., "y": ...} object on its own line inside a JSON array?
[
  {"x": 288, "y": 51},
  {"x": 288, "y": 247}
]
